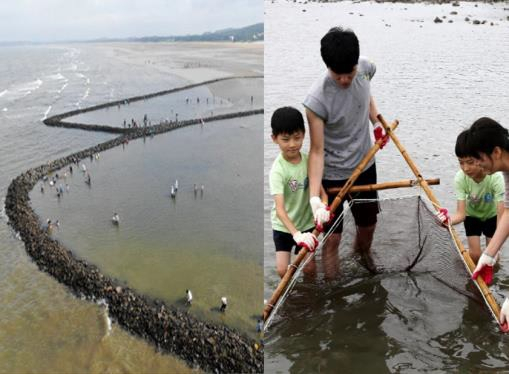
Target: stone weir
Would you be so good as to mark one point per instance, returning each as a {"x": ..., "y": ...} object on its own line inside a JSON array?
[
  {"x": 209, "y": 346},
  {"x": 57, "y": 120}
]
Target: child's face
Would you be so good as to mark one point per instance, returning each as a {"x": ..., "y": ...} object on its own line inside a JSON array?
[
  {"x": 471, "y": 167},
  {"x": 290, "y": 144},
  {"x": 343, "y": 80}
]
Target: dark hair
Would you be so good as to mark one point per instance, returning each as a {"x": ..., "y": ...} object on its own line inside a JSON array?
[
  {"x": 482, "y": 137},
  {"x": 461, "y": 148},
  {"x": 340, "y": 50},
  {"x": 286, "y": 120}
]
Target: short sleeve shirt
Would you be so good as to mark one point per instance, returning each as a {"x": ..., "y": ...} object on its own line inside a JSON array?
[
  {"x": 481, "y": 198},
  {"x": 291, "y": 181},
  {"x": 345, "y": 112}
]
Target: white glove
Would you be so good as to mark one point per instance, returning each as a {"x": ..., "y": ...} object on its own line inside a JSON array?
[
  {"x": 306, "y": 239},
  {"x": 321, "y": 212},
  {"x": 484, "y": 268},
  {"x": 504, "y": 312},
  {"x": 443, "y": 216}
]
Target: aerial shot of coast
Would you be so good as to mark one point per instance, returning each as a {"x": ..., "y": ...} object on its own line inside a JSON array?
[{"x": 132, "y": 169}]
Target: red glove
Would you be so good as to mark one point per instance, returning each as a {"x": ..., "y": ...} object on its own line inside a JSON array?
[
  {"x": 443, "y": 216},
  {"x": 380, "y": 133},
  {"x": 484, "y": 268}
]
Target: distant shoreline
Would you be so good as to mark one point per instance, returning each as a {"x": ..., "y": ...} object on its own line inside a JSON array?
[{"x": 251, "y": 33}]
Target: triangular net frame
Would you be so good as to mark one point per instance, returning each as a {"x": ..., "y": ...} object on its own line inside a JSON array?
[{"x": 453, "y": 268}]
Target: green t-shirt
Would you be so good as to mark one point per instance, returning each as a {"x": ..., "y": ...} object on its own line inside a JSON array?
[
  {"x": 291, "y": 181},
  {"x": 481, "y": 198}
]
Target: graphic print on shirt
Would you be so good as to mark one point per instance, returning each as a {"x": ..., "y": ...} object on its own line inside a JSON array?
[{"x": 294, "y": 184}]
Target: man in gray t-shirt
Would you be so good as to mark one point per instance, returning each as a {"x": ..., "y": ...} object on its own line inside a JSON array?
[{"x": 339, "y": 107}]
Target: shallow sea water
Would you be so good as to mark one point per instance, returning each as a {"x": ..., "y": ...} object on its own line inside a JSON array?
[{"x": 207, "y": 241}]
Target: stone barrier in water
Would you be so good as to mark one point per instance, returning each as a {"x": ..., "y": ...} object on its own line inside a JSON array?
[
  {"x": 210, "y": 346},
  {"x": 57, "y": 120}
]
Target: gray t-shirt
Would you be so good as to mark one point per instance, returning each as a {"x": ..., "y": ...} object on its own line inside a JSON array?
[{"x": 345, "y": 113}]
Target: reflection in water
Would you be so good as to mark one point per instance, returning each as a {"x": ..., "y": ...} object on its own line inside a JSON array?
[{"x": 311, "y": 333}]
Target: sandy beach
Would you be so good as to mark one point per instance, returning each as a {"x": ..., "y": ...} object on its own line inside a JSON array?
[{"x": 194, "y": 61}]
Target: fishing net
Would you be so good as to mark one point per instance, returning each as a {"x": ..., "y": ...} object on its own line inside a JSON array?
[{"x": 408, "y": 238}]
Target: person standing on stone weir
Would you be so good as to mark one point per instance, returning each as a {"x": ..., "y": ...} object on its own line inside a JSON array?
[{"x": 339, "y": 109}]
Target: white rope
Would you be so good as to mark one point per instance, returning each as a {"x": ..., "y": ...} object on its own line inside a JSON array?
[
  {"x": 298, "y": 271},
  {"x": 468, "y": 271}
]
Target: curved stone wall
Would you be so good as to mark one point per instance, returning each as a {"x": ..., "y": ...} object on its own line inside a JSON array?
[
  {"x": 210, "y": 346},
  {"x": 57, "y": 120}
]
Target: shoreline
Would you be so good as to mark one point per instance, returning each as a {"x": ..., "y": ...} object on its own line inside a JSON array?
[{"x": 210, "y": 346}]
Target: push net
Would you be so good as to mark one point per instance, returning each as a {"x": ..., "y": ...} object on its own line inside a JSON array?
[{"x": 408, "y": 238}]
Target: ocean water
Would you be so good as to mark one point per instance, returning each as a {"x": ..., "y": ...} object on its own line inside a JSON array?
[
  {"x": 436, "y": 79},
  {"x": 44, "y": 328}
]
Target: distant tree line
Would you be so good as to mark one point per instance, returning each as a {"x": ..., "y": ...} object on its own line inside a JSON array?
[{"x": 245, "y": 34}]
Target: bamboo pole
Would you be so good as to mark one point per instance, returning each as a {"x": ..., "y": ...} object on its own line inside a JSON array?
[
  {"x": 303, "y": 251},
  {"x": 384, "y": 186},
  {"x": 492, "y": 303}
]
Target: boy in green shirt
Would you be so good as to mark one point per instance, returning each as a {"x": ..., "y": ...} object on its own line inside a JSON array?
[
  {"x": 291, "y": 215},
  {"x": 479, "y": 200}
]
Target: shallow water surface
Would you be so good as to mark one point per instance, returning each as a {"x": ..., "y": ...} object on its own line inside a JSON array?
[{"x": 201, "y": 240}]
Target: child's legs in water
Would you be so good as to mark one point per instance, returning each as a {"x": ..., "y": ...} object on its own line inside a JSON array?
[
  {"x": 282, "y": 262},
  {"x": 474, "y": 247}
]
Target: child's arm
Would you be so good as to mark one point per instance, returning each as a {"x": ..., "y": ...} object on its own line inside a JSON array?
[
  {"x": 282, "y": 215},
  {"x": 323, "y": 195},
  {"x": 500, "y": 211},
  {"x": 459, "y": 216}
]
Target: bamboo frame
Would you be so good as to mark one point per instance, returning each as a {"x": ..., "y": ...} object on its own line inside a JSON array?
[
  {"x": 385, "y": 185},
  {"x": 269, "y": 306},
  {"x": 464, "y": 253}
]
